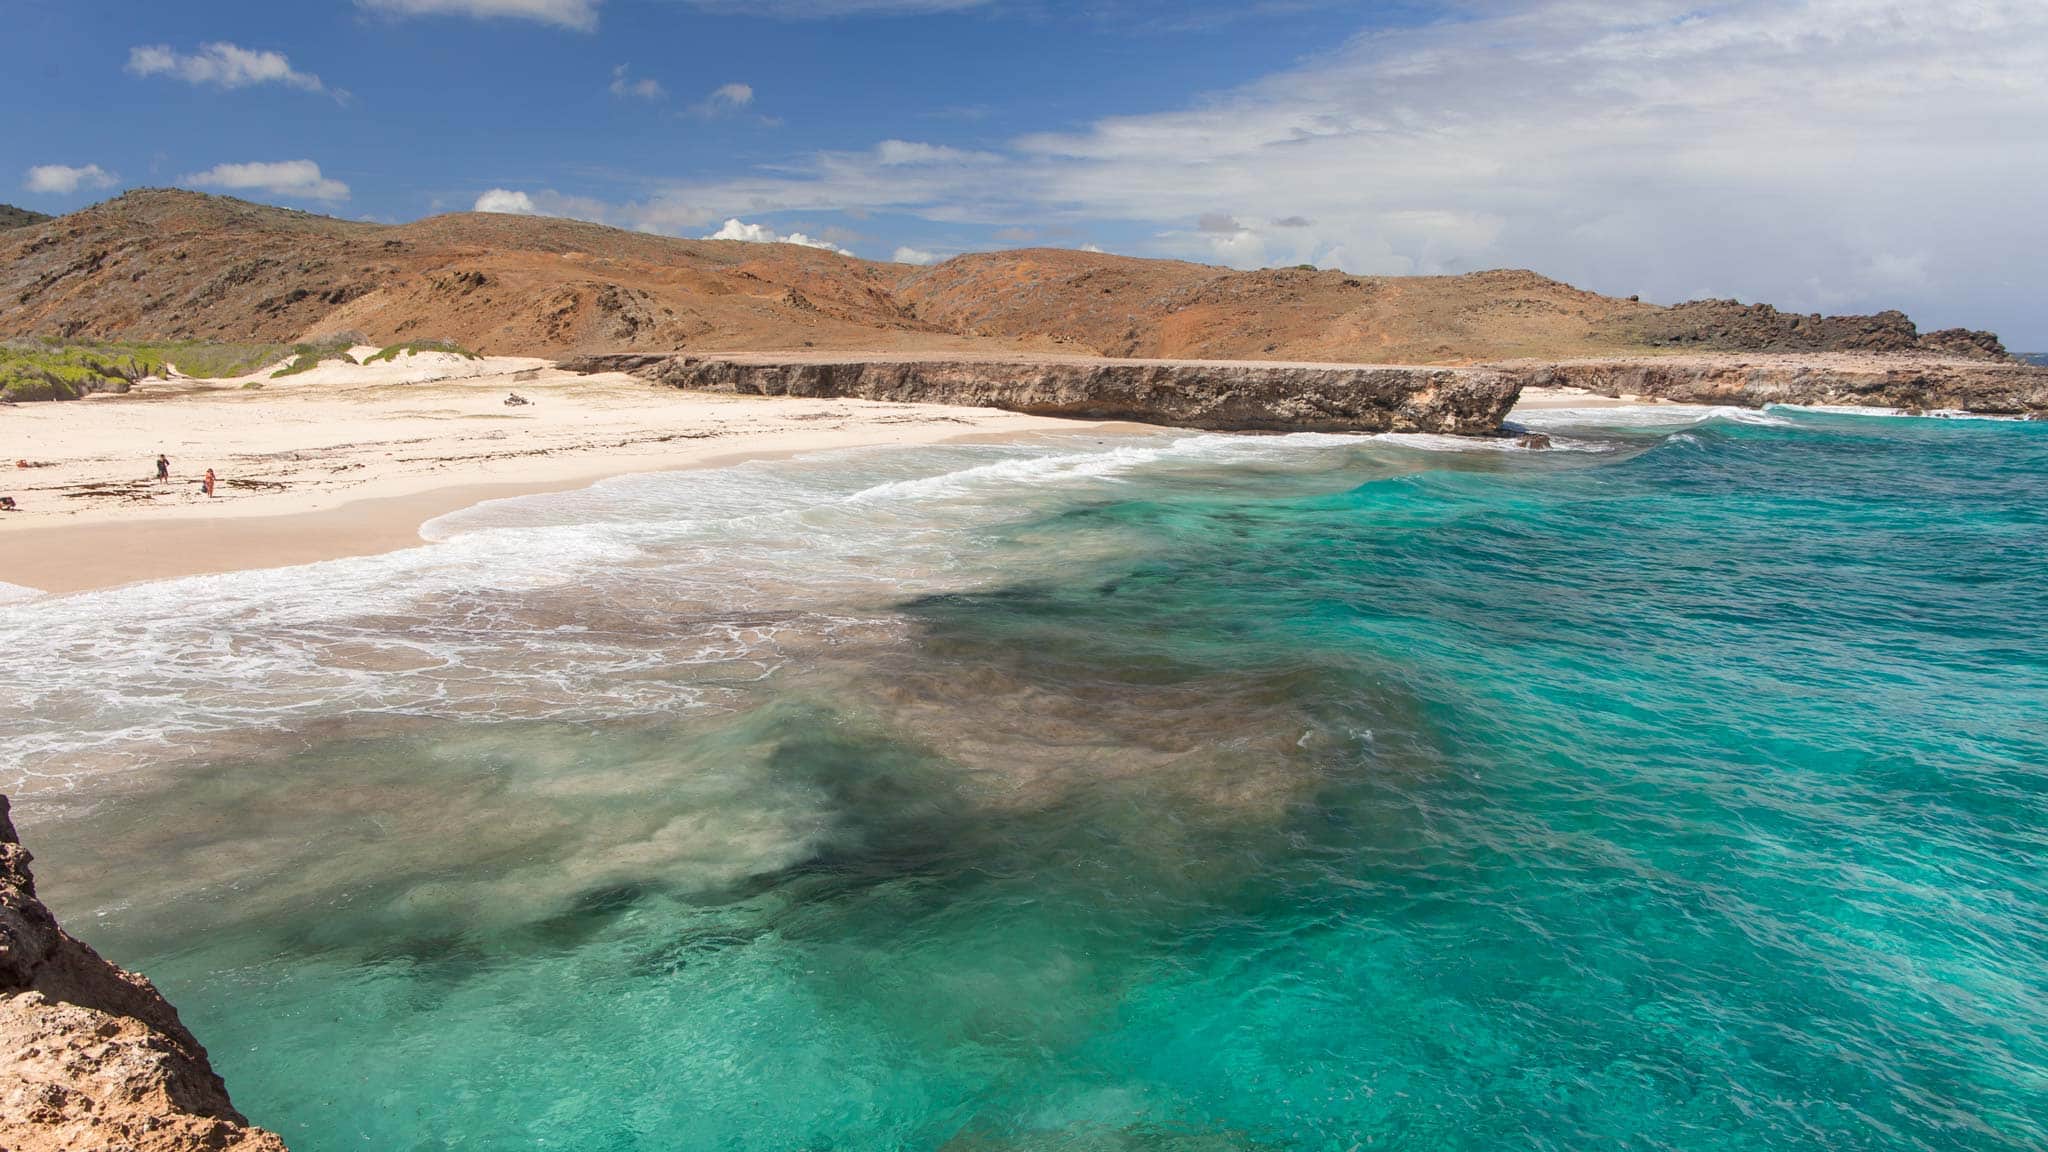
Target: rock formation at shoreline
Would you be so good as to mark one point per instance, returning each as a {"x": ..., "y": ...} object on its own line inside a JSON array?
[
  {"x": 1732, "y": 326},
  {"x": 92, "y": 1057},
  {"x": 1181, "y": 393},
  {"x": 1904, "y": 382}
]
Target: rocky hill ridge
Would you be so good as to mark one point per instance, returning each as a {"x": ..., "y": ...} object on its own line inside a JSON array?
[
  {"x": 169, "y": 264},
  {"x": 12, "y": 217}
]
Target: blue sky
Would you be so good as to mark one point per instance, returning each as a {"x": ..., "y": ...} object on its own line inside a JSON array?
[{"x": 1828, "y": 155}]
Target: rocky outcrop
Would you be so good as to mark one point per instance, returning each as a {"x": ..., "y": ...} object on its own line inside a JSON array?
[
  {"x": 2006, "y": 389},
  {"x": 1181, "y": 393},
  {"x": 92, "y": 1057},
  {"x": 1732, "y": 326}
]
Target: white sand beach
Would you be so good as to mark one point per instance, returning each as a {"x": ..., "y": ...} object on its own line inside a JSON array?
[{"x": 349, "y": 460}]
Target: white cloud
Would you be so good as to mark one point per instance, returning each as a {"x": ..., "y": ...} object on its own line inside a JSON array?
[
  {"x": 1784, "y": 150},
  {"x": 623, "y": 85},
  {"x": 578, "y": 14},
  {"x": 506, "y": 201},
  {"x": 762, "y": 234},
  {"x": 298, "y": 179},
  {"x": 916, "y": 256},
  {"x": 724, "y": 100},
  {"x": 899, "y": 153},
  {"x": 63, "y": 180},
  {"x": 221, "y": 65}
]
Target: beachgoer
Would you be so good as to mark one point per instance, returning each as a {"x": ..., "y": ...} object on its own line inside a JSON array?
[
  {"x": 206, "y": 485},
  {"x": 7, "y": 504},
  {"x": 163, "y": 466}
]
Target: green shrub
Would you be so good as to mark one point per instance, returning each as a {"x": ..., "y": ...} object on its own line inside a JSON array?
[
  {"x": 415, "y": 347},
  {"x": 51, "y": 370},
  {"x": 63, "y": 369},
  {"x": 307, "y": 357}
]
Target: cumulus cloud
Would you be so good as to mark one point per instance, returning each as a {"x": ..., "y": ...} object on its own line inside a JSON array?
[
  {"x": 736, "y": 229},
  {"x": 647, "y": 88},
  {"x": 296, "y": 179},
  {"x": 507, "y": 201},
  {"x": 908, "y": 255},
  {"x": 63, "y": 180},
  {"x": 1798, "y": 151},
  {"x": 221, "y": 65},
  {"x": 578, "y": 14}
]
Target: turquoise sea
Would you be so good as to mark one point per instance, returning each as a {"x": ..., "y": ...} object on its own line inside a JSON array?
[{"x": 1685, "y": 787}]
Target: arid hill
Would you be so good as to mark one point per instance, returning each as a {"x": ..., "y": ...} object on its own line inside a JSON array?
[
  {"x": 175, "y": 265},
  {"x": 12, "y": 217}
]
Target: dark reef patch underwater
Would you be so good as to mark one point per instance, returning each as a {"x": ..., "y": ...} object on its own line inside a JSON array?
[{"x": 1685, "y": 788}]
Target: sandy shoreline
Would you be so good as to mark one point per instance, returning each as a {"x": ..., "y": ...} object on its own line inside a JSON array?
[{"x": 350, "y": 463}]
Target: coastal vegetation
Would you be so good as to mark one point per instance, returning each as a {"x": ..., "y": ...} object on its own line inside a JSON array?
[
  {"x": 35, "y": 369},
  {"x": 415, "y": 347},
  {"x": 308, "y": 356}
]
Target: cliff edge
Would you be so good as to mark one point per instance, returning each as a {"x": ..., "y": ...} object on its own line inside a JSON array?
[
  {"x": 1212, "y": 395},
  {"x": 1911, "y": 383},
  {"x": 92, "y": 1057}
]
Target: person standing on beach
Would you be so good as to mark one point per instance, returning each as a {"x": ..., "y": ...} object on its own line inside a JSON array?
[
  {"x": 163, "y": 466},
  {"x": 206, "y": 485}
]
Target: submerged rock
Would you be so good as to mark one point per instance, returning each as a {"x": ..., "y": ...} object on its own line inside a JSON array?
[
  {"x": 92, "y": 1056},
  {"x": 1532, "y": 440}
]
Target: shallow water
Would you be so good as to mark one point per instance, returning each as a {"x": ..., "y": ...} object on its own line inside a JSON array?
[{"x": 1684, "y": 789}]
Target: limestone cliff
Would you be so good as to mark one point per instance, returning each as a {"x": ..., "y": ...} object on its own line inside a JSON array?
[
  {"x": 92, "y": 1057},
  {"x": 1181, "y": 393},
  {"x": 1907, "y": 382}
]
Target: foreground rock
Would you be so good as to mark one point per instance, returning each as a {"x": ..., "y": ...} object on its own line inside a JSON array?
[
  {"x": 92, "y": 1057},
  {"x": 1903, "y": 382},
  {"x": 1214, "y": 395}
]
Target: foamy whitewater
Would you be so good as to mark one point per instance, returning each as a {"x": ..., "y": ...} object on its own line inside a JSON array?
[{"x": 1680, "y": 787}]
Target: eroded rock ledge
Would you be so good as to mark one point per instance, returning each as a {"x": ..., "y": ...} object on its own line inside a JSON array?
[
  {"x": 1905, "y": 382},
  {"x": 92, "y": 1057},
  {"x": 1215, "y": 395}
]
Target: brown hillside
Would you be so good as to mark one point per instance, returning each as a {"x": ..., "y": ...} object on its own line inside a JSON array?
[
  {"x": 182, "y": 265},
  {"x": 1122, "y": 306}
]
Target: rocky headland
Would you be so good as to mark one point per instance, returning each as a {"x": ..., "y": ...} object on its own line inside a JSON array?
[
  {"x": 1213, "y": 395},
  {"x": 1911, "y": 383},
  {"x": 91, "y": 1056}
]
